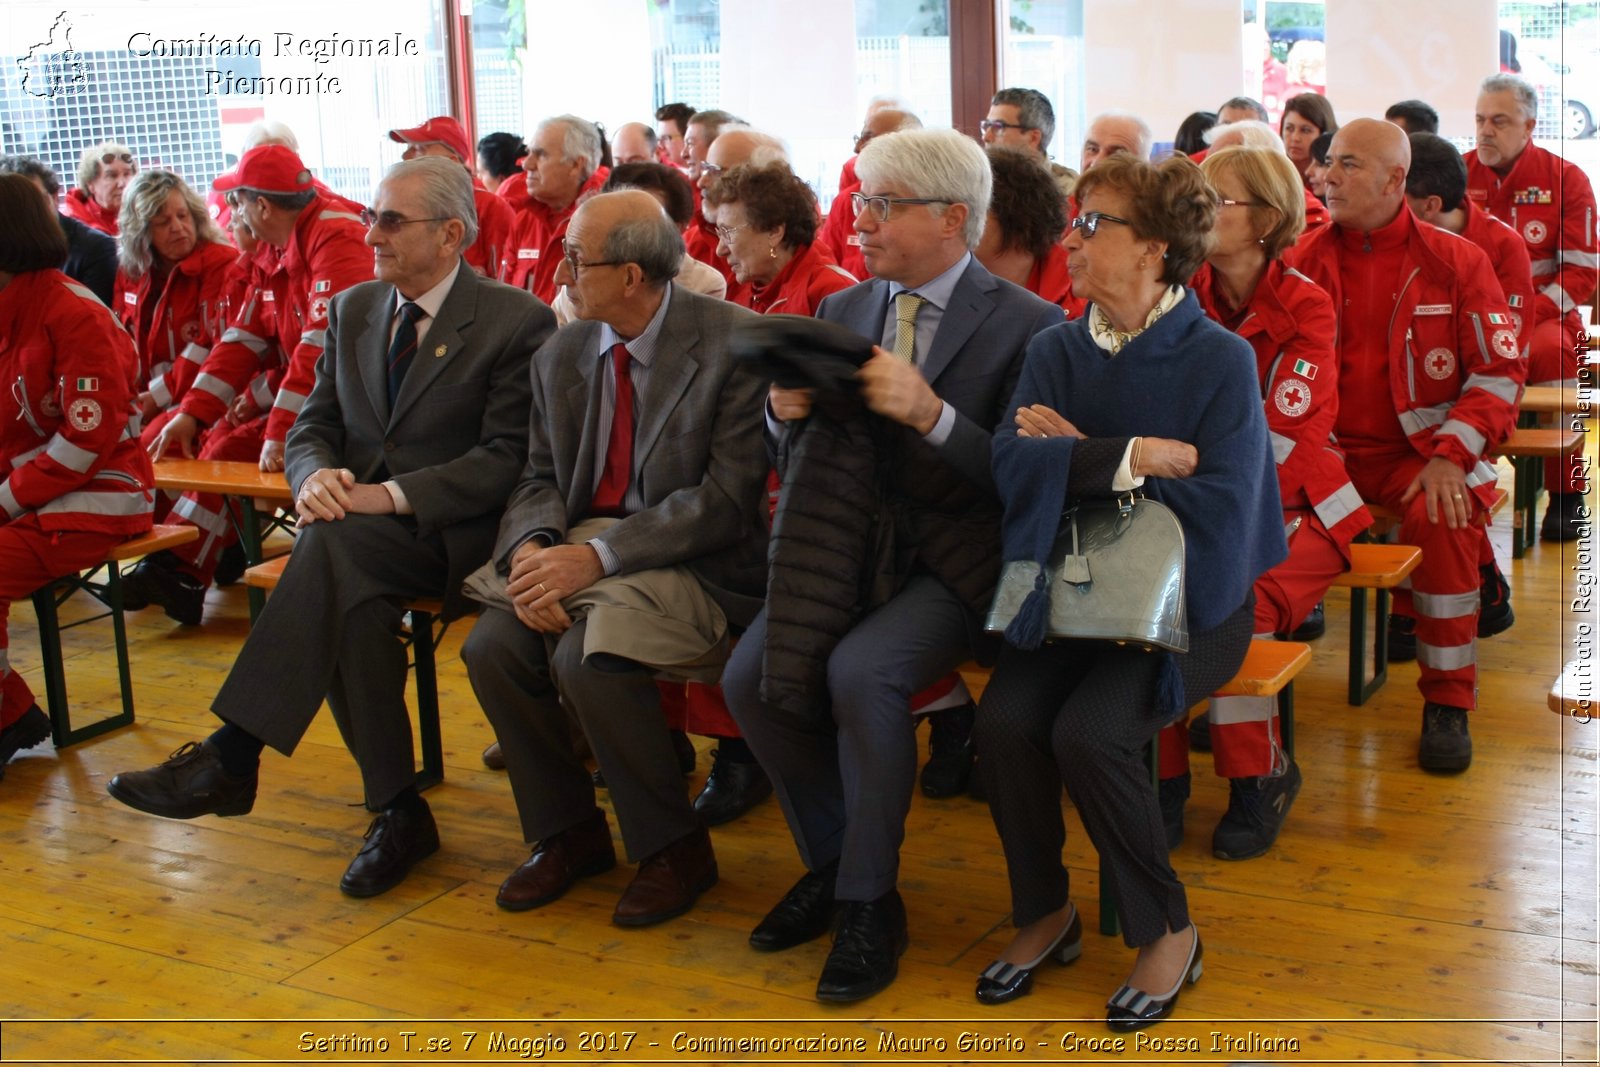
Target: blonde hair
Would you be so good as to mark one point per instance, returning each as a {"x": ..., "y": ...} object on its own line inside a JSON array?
[
  {"x": 1270, "y": 178},
  {"x": 146, "y": 197}
]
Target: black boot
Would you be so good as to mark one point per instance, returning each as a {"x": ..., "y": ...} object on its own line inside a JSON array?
[
  {"x": 950, "y": 751},
  {"x": 1494, "y": 609}
]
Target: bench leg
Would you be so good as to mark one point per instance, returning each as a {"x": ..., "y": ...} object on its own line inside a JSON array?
[
  {"x": 1286, "y": 718},
  {"x": 55, "y": 676},
  {"x": 250, "y": 541},
  {"x": 1527, "y": 476},
  {"x": 1360, "y": 689},
  {"x": 425, "y": 675},
  {"x": 45, "y": 604}
]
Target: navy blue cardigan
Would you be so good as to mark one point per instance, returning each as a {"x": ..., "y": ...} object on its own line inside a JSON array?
[{"x": 1184, "y": 378}]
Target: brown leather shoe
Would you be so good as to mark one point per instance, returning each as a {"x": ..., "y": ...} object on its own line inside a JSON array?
[
  {"x": 493, "y": 758},
  {"x": 557, "y": 862},
  {"x": 669, "y": 882}
]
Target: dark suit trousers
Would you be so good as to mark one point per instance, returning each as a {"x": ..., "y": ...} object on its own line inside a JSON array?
[
  {"x": 521, "y": 677},
  {"x": 1081, "y": 712},
  {"x": 332, "y": 629},
  {"x": 844, "y": 780}
]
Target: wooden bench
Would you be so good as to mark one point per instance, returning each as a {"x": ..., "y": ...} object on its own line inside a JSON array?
[
  {"x": 242, "y": 481},
  {"x": 1269, "y": 669},
  {"x": 424, "y": 613},
  {"x": 108, "y": 592},
  {"x": 1380, "y": 567},
  {"x": 1573, "y": 693},
  {"x": 1527, "y": 448}
]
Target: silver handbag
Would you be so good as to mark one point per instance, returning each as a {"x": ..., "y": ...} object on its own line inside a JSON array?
[{"x": 1115, "y": 574}]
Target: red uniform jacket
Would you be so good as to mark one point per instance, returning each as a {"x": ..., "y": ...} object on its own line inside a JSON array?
[
  {"x": 1551, "y": 204},
  {"x": 248, "y": 355},
  {"x": 1455, "y": 368},
  {"x": 69, "y": 438},
  {"x": 838, "y": 233},
  {"x": 1509, "y": 256},
  {"x": 81, "y": 206},
  {"x": 514, "y": 191},
  {"x": 1290, "y": 323},
  {"x": 534, "y": 247},
  {"x": 495, "y": 221},
  {"x": 800, "y": 285},
  {"x": 188, "y": 318},
  {"x": 1316, "y": 211},
  {"x": 1050, "y": 280},
  {"x": 326, "y": 254}
]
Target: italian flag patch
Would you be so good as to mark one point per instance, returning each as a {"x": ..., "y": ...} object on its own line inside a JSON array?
[
  {"x": 1497, "y": 319},
  {"x": 88, "y": 385},
  {"x": 1308, "y": 371}
]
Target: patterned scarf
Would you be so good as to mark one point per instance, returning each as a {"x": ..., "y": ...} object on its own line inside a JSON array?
[{"x": 1112, "y": 339}]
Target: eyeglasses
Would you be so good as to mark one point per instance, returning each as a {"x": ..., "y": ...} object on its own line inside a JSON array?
[
  {"x": 116, "y": 157},
  {"x": 1090, "y": 223},
  {"x": 711, "y": 169},
  {"x": 569, "y": 256},
  {"x": 1225, "y": 202},
  {"x": 728, "y": 233},
  {"x": 882, "y": 205},
  {"x": 997, "y": 126},
  {"x": 391, "y": 221}
]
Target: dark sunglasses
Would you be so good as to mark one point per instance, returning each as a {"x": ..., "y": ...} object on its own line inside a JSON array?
[{"x": 116, "y": 157}]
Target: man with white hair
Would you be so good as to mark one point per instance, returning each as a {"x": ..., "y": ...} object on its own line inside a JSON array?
[
  {"x": 1550, "y": 202},
  {"x": 401, "y": 462},
  {"x": 1112, "y": 132},
  {"x": 563, "y": 165},
  {"x": 842, "y": 754}
]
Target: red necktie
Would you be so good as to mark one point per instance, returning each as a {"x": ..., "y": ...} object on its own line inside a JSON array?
[{"x": 619, "y": 446}]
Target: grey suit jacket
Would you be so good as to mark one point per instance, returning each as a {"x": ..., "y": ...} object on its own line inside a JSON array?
[
  {"x": 698, "y": 451},
  {"x": 976, "y": 356},
  {"x": 456, "y": 439}
]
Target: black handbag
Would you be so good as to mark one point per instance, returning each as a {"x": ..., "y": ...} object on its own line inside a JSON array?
[{"x": 1115, "y": 574}]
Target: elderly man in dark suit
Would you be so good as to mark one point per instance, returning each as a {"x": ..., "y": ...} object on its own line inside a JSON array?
[
  {"x": 401, "y": 461},
  {"x": 843, "y": 760},
  {"x": 636, "y": 536}
]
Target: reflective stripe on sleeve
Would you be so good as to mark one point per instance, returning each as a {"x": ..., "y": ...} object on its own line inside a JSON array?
[
  {"x": 70, "y": 455},
  {"x": 8, "y": 500},
  {"x": 1468, "y": 436},
  {"x": 319, "y": 338},
  {"x": 1415, "y": 421},
  {"x": 1339, "y": 505},
  {"x": 246, "y": 338},
  {"x": 1496, "y": 386},
  {"x": 218, "y": 388},
  {"x": 1281, "y": 447},
  {"x": 290, "y": 402}
]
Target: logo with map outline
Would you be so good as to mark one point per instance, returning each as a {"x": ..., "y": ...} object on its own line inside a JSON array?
[{"x": 53, "y": 67}]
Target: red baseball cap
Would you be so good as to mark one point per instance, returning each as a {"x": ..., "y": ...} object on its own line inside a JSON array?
[
  {"x": 268, "y": 168},
  {"x": 442, "y": 130}
]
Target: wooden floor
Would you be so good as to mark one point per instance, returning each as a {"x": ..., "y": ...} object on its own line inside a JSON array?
[{"x": 1401, "y": 916}]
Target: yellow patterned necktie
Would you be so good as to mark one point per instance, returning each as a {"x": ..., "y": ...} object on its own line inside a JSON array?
[{"x": 906, "y": 306}]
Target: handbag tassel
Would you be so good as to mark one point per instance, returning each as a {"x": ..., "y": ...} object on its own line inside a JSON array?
[{"x": 1027, "y": 628}]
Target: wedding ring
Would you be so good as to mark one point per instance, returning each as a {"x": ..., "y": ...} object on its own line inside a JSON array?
[{"x": 542, "y": 589}]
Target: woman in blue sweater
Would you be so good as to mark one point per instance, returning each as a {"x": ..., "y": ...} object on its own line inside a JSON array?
[{"x": 1142, "y": 392}]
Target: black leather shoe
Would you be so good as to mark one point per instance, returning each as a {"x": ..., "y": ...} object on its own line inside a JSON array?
[
  {"x": 1130, "y": 1009},
  {"x": 731, "y": 789},
  {"x": 191, "y": 783},
  {"x": 1200, "y": 732},
  {"x": 230, "y": 565},
  {"x": 868, "y": 941},
  {"x": 1314, "y": 626},
  {"x": 1494, "y": 601},
  {"x": 1402, "y": 639},
  {"x": 493, "y": 758},
  {"x": 1257, "y": 808},
  {"x": 950, "y": 751},
  {"x": 32, "y": 728},
  {"x": 157, "y": 580},
  {"x": 397, "y": 840},
  {"x": 1001, "y": 981},
  {"x": 1173, "y": 793},
  {"x": 804, "y": 914},
  {"x": 682, "y": 747},
  {"x": 1563, "y": 519},
  {"x": 1446, "y": 744}
]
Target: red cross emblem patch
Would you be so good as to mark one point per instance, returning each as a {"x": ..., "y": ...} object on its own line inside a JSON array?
[
  {"x": 1439, "y": 364},
  {"x": 1505, "y": 343},
  {"x": 84, "y": 414},
  {"x": 1293, "y": 397}
]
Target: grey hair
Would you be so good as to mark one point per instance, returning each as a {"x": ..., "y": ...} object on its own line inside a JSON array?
[
  {"x": 270, "y": 131},
  {"x": 89, "y": 161},
  {"x": 1033, "y": 110},
  {"x": 936, "y": 165},
  {"x": 579, "y": 140},
  {"x": 1146, "y": 138},
  {"x": 446, "y": 191},
  {"x": 1527, "y": 99},
  {"x": 29, "y": 167},
  {"x": 652, "y": 242},
  {"x": 712, "y": 120},
  {"x": 768, "y": 148},
  {"x": 1244, "y": 103},
  {"x": 1252, "y": 134},
  {"x": 146, "y": 197}
]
